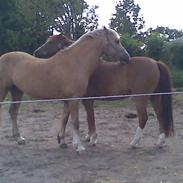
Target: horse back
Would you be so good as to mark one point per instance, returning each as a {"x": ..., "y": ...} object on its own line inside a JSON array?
[{"x": 142, "y": 74}]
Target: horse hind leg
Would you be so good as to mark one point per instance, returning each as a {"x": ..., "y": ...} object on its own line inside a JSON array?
[
  {"x": 61, "y": 134},
  {"x": 91, "y": 137},
  {"x": 16, "y": 95},
  {"x": 141, "y": 105},
  {"x": 156, "y": 103},
  {"x": 3, "y": 94}
]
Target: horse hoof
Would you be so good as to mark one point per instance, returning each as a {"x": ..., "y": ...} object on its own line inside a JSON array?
[
  {"x": 91, "y": 139},
  {"x": 80, "y": 149},
  {"x": 58, "y": 139},
  {"x": 63, "y": 146},
  {"x": 21, "y": 140},
  {"x": 133, "y": 146},
  {"x": 160, "y": 145},
  {"x": 87, "y": 138},
  {"x": 93, "y": 142}
]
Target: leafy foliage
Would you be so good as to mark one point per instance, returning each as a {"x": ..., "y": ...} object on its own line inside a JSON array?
[
  {"x": 8, "y": 24},
  {"x": 170, "y": 34},
  {"x": 25, "y": 24},
  {"x": 155, "y": 44},
  {"x": 127, "y": 18},
  {"x": 74, "y": 17},
  {"x": 177, "y": 77},
  {"x": 132, "y": 45},
  {"x": 174, "y": 55}
]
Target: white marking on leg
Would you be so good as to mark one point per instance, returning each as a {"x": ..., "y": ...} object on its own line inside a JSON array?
[
  {"x": 161, "y": 140},
  {"x": 21, "y": 140},
  {"x": 77, "y": 142},
  {"x": 93, "y": 139},
  {"x": 87, "y": 137},
  {"x": 137, "y": 137}
]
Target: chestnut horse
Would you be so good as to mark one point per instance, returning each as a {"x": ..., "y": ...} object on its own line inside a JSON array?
[
  {"x": 64, "y": 75},
  {"x": 141, "y": 75},
  {"x": 52, "y": 46}
]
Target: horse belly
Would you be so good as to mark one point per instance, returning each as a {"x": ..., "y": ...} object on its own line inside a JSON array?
[{"x": 108, "y": 88}]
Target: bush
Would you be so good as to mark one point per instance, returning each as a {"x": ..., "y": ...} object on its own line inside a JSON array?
[
  {"x": 132, "y": 45},
  {"x": 174, "y": 55},
  {"x": 177, "y": 78},
  {"x": 155, "y": 44}
]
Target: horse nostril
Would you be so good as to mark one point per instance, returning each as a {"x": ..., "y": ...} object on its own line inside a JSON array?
[{"x": 125, "y": 58}]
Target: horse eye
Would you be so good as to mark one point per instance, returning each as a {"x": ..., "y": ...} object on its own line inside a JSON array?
[{"x": 117, "y": 41}]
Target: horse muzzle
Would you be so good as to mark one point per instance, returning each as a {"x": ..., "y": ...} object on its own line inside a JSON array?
[{"x": 124, "y": 58}]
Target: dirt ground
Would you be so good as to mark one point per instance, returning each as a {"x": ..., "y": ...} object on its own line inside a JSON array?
[{"x": 111, "y": 161}]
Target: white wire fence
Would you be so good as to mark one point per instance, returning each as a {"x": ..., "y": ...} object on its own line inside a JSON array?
[{"x": 90, "y": 98}]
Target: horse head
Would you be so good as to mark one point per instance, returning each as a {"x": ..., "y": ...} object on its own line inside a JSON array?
[
  {"x": 52, "y": 46},
  {"x": 112, "y": 46}
]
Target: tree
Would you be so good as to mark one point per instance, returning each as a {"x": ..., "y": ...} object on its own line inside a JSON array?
[
  {"x": 22, "y": 25},
  {"x": 8, "y": 24},
  {"x": 132, "y": 45},
  {"x": 127, "y": 18},
  {"x": 174, "y": 55},
  {"x": 75, "y": 17},
  {"x": 170, "y": 34},
  {"x": 36, "y": 19},
  {"x": 155, "y": 45},
  {"x": 25, "y": 24}
]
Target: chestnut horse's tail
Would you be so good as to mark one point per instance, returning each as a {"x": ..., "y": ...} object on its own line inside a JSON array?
[{"x": 165, "y": 85}]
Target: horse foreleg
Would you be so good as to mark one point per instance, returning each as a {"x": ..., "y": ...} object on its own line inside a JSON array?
[
  {"x": 74, "y": 111},
  {"x": 14, "y": 107},
  {"x": 91, "y": 137},
  {"x": 61, "y": 134},
  {"x": 156, "y": 102},
  {"x": 141, "y": 105}
]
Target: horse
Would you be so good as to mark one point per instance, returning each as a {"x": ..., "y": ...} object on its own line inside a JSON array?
[
  {"x": 52, "y": 46},
  {"x": 142, "y": 75},
  {"x": 64, "y": 75}
]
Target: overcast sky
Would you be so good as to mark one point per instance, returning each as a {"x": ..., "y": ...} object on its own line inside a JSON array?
[{"x": 155, "y": 12}]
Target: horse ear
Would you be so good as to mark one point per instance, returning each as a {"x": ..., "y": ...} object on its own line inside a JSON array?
[{"x": 104, "y": 28}]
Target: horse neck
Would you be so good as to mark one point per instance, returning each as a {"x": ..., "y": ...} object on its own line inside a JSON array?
[{"x": 84, "y": 54}]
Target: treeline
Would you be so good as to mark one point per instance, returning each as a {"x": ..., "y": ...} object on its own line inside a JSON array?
[{"x": 25, "y": 25}]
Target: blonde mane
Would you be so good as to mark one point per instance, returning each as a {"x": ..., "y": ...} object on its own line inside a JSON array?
[{"x": 95, "y": 34}]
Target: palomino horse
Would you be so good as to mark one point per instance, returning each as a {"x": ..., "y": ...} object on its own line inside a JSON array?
[
  {"x": 141, "y": 75},
  {"x": 64, "y": 75}
]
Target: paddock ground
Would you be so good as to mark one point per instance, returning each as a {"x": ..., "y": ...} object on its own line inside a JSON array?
[{"x": 111, "y": 161}]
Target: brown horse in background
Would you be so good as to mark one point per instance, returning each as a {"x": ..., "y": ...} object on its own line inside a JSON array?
[
  {"x": 141, "y": 75},
  {"x": 64, "y": 75},
  {"x": 52, "y": 46}
]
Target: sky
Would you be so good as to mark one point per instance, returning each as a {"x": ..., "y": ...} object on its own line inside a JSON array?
[{"x": 167, "y": 13}]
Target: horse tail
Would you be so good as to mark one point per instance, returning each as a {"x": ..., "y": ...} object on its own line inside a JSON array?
[{"x": 164, "y": 86}]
